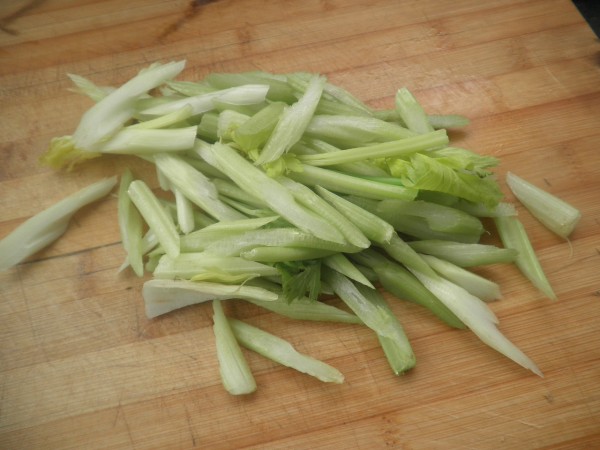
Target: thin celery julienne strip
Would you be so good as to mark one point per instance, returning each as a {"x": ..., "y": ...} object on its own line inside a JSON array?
[
  {"x": 465, "y": 255},
  {"x": 283, "y": 254},
  {"x": 411, "y": 112},
  {"x": 235, "y": 373},
  {"x": 282, "y": 352},
  {"x": 130, "y": 225},
  {"x": 45, "y": 227},
  {"x": 389, "y": 149},
  {"x": 155, "y": 216}
]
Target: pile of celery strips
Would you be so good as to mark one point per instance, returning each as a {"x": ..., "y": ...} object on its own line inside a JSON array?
[{"x": 284, "y": 190}]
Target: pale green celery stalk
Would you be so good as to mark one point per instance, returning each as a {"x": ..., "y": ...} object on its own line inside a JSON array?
[
  {"x": 202, "y": 220},
  {"x": 240, "y": 95},
  {"x": 259, "y": 184},
  {"x": 247, "y": 110},
  {"x": 282, "y": 352},
  {"x": 163, "y": 296},
  {"x": 190, "y": 88},
  {"x": 194, "y": 160},
  {"x": 465, "y": 255},
  {"x": 246, "y": 209},
  {"x": 477, "y": 285},
  {"x": 46, "y": 226},
  {"x": 513, "y": 236},
  {"x": 195, "y": 186},
  {"x": 402, "y": 252},
  {"x": 279, "y": 89},
  {"x": 198, "y": 240},
  {"x": 207, "y": 128},
  {"x": 87, "y": 87},
  {"x": 188, "y": 265},
  {"x": 155, "y": 216},
  {"x": 305, "y": 309},
  {"x": 333, "y": 107},
  {"x": 130, "y": 226},
  {"x": 163, "y": 181},
  {"x": 427, "y": 220},
  {"x": 411, "y": 112},
  {"x": 349, "y": 184},
  {"x": 278, "y": 237},
  {"x": 555, "y": 214},
  {"x": 350, "y": 131},
  {"x": 253, "y": 133},
  {"x": 318, "y": 205},
  {"x": 228, "y": 122},
  {"x": 374, "y": 228},
  {"x": 476, "y": 315},
  {"x": 340, "y": 263},
  {"x": 388, "y": 149},
  {"x": 446, "y": 121},
  {"x": 481, "y": 210},
  {"x": 276, "y": 254},
  {"x": 168, "y": 120},
  {"x": 236, "y": 375},
  {"x": 331, "y": 92},
  {"x": 362, "y": 168},
  {"x": 292, "y": 123},
  {"x": 402, "y": 284},
  {"x": 107, "y": 116},
  {"x": 141, "y": 141},
  {"x": 372, "y": 309},
  {"x": 149, "y": 242},
  {"x": 231, "y": 190},
  {"x": 185, "y": 212}
]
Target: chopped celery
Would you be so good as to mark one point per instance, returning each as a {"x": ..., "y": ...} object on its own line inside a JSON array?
[
  {"x": 253, "y": 133},
  {"x": 87, "y": 87},
  {"x": 155, "y": 216},
  {"x": 168, "y": 120},
  {"x": 233, "y": 367},
  {"x": 130, "y": 226},
  {"x": 477, "y": 285},
  {"x": 349, "y": 184},
  {"x": 411, "y": 112},
  {"x": 45, "y": 227},
  {"x": 107, "y": 116},
  {"x": 402, "y": 252},
  {"x": 465, "y": 255},
  {"x": 163, "y": 296},
  {"x": 513, "y": 236},
  {"x": 279, "y": 89},
  {"x": 195, "y": 186},
  {"x": 343, "y": 265},
  {"x": 188, "y": 265},
  {"x": 280, "y": 200},
  {"x": 292, "y": 123},
  {"x": 438, "y": 121},
  {"x": 373, "y": 227},
  {"x": 555, "y": 214},
  {"x": 389, "y": 149},
  {"x": 228, "y": 122},
  {"x": 185, "y": 212},
  {"x": 282, "y": 352},
  {"x": 305, "y": 309},
  {"x": 275, "y": 254}
]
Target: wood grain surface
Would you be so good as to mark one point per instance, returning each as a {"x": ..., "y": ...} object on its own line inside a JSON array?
[{"x": 82, "y": 368}]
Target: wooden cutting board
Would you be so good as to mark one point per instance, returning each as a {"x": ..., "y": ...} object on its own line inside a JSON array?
[{"x": 82, "y": 368}]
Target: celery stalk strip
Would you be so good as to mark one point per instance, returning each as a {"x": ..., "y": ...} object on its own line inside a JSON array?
[
  {"x": 282, "y": 352},
  {"x": 411, "y": 112},
  {"x": 465, "y": 255},
  {"x": 155, "y": 216},
  {"x": 555, "y": 214},
  {"x": 513, "y": 236},
  {"x": 349, "y": 184},
  {"x": 292, "y": 123},
  {"x": 283, "y": 254},
  {"x": 163, "y": 296},
  {"x": 280, "y": 200},
  {"x": 45, "y": 227},
  {"x": 130, "y": 226},
  {"x": 235, "y": 373}
]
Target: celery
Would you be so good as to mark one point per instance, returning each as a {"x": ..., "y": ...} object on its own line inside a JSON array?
[
  {"x": 398, "y": 148},
  {"x": 275, "y": 254},
  {"x": 466, "y": 255},
  {"x": 195, "y": 186},
  {"x": 233, "y": 367},
  {"x": 282, "y": 352},
  {"x": 513, "y": 236},
  {"x": 185, "y": 212},
  {"x": 107, "y": 116},
  {"x": 438, "y": 121},
  {"x": 349, "y": 184},
  {"x": 45, "y": 227},
  {"x": 130, "y": 226},
  {"x": 343, "y": 265},
  {"x": 163, "y": 296},
  {"x": 253, "y": 133},
  {"x": 279, "y": 89},
  {"x": 555, "y": 214},
  {"x": 411, "y": 112},
  {"x": 292, "y": 123},
  {"x": 155, "y": 216},
  {"x": 305, "y": 309}
]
